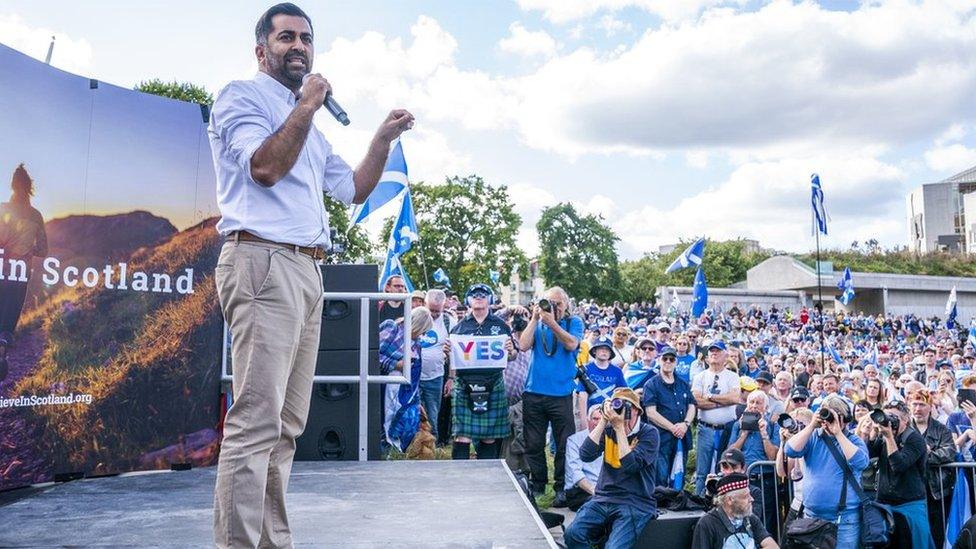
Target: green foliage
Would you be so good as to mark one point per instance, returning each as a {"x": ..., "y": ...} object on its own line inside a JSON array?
[
  {"x": 184, "y": 91},
  {"x": 578, "y": 253},
  {"x": 353, "y": 238},
  {"x": 898, "y": 261},
  {"x": 467, "y": 227},
  {"x": 725, "y": 263}
]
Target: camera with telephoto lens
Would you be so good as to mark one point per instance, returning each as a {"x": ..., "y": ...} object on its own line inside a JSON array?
[
  {"x": 585, "y": 380},
  {"x": 826, "y": 415},
  {"x": 545, "y": 305},
  {"x": 787, "y": 422},
  {"x": 622, "y": 406},
  {"x": 885, "y": 420}
]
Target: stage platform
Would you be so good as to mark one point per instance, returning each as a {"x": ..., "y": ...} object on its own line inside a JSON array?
[{"x": 402, "y": 504}]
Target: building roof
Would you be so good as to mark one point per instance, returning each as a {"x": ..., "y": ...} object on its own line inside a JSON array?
[
  {"x": 966, "y": 176},
  {"x": 786, "y": 273}
]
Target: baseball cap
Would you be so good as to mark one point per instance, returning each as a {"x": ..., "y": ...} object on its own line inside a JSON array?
[
  {"x": 765, "y": 376},
  {"x": 418, "y": 293},
  {"x": 800, "y": 392},
  {"x": 717, "y": 344},
  {"x": 746, "y": 383},
  {"x": 733, "y": 456},
  {"x": 669, "y": 350}
]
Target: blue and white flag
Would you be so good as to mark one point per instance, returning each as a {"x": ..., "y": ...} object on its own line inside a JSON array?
[
  {"x": 404, "y": 232},
  {"x": 972, "y": 333},
  {"x": 677, "y": 477},
  {"x": 392, "y": 181},
  {"x": 440, "y": 277},
  {"x": 951, "y": 310},
  {"x": 392, "y": 267},
  {"x": 959, "y": 510},
  {"x": 700, "y": 293},
  {"x": 817, "y": 202},
  {"x": 495, "y": 276},
  {"x": 691, "y": 256},
  {"x": 847, "y": 285}
]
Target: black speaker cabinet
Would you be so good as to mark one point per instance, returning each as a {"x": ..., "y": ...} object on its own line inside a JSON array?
[
  {"x": 340, "y": 317},
  {"x": 332, "y": 431}
]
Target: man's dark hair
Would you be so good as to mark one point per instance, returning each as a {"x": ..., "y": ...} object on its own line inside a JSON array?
[{"x": 264, "y": 26}]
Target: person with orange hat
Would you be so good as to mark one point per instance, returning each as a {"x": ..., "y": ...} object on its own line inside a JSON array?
[{"x": 624, "y": 498}]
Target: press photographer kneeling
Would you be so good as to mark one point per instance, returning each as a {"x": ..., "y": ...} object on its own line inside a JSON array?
[
  {"x": 901, "y": 467},
  {"x": 624, "y": 499}
]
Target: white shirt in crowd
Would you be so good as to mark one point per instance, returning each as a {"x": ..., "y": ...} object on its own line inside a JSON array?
[
  {"x": 432, "y": 350},
  {"x": 727, "y": 380},
  {"x": 244, "y": 115}
]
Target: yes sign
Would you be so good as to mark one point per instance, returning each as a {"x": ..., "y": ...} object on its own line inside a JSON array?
[{"x": 469, "y": 351}]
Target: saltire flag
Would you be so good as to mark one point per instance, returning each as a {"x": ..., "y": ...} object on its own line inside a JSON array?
[
  {"x": 834, "y": 354},
  {"x": 847, "y": 285},
  {"x": 817, "y": 202},
  {"x": 392, "y": 267},
  {"x": 404, "y": 232},
  {"x": 440, "y": 277},
  {"x": 972, "y": 333},
  {"x": 495, "y": 276},
  {"x": 691, "y": 256},
  {"x": 700, "y": 293},
  {"x": 951, "y": 310},
  {"x": 959, "y": 510},
  {"x": 401, "y": 420},
  {"x": 637, "y": 377},
  {"x": 392, "y": 181},
  {"x": 677, "y": 477}
]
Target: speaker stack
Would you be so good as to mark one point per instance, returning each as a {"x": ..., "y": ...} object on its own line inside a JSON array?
[{"x": 332, "y": 431}]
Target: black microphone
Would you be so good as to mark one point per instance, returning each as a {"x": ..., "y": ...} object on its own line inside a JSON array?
[
  {"x": 338, "y": 112},
  {"x": 330, "y": 105}
]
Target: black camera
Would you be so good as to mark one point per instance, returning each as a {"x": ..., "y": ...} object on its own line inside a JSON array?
[
  {"x": 588, "y": 384},
  {"x": 826, "y": 415},
  {"x": 519, "y": 323},
  {"x": 787, "y": 422},
  {"x": 750, "y": 421},
  {"x": 885, "y": 420},
  {"x": 545, "y": 305},
  {"x": 622, "y": 406}
]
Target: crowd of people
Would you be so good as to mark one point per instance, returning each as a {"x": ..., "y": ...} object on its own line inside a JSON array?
[{"x": 787, "y": 421}]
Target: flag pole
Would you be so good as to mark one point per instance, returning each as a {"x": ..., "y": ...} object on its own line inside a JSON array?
[
  {"x": 423, "y": 263},
  {"x": 819, "y": 307}
]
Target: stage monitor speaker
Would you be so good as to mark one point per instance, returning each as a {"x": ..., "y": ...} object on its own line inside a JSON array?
[
  {"x": 332, "y": 431},
  {"x": 340, "y": 317}
]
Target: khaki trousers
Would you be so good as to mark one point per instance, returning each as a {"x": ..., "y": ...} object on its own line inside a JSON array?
[{"x": 271, "y": 298}]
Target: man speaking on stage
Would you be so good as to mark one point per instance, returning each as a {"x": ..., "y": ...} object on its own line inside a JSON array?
[{"x": 273, "y": 167}]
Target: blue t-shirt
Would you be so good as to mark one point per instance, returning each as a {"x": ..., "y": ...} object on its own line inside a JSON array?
[
  {"x": 553, "y": 375},
  {"x": 683, "y": 368},
  {"x": 753, "y": 448},
  {"x": 606, "y": 379},
  {"x": 823, "y": 477}
]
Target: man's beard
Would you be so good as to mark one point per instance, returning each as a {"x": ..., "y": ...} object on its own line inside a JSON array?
[{"x": 278, "y": 66}]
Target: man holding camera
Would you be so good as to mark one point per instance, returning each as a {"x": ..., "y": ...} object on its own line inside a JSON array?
[
  {"x": 553, "y": 336},
  {"x": 901, "y": 467},
  {"x": 624, "y": 498},
  {"x": 757, "y": 436}
]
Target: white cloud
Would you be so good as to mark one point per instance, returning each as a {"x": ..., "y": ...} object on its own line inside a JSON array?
[
  {"x": 70, "y": 54},
  {"x": 563, "y": 11},
  {"x": 950, "y": 158},
  {"x": 528, "y": 43},
  {"x": 611, "y": 25},
  {"x": 697, "y": 159}
]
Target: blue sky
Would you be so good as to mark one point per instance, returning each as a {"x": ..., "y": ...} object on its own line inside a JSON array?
[{"x": 671, "y": 118}]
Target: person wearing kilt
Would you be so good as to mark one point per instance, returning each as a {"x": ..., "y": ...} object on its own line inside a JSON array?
[{"x": 472, "y": 420}]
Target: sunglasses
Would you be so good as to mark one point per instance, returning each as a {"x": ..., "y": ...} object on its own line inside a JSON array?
[
  {"x": 667, "y": 359},
  {"x": 479, "y": 295},
  {"x": 646, "y": 348}
]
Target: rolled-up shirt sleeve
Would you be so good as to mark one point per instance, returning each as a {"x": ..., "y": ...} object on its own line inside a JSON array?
[
  {"x": 574, "y": 465},
  {"x": 339, "y": 183},
  {"x": 241, "y": 123}
]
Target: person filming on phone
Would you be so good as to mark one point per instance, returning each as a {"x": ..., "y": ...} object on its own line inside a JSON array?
[{"x": 273, "y": 168}]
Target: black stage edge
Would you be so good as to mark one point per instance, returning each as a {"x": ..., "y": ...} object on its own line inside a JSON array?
[{"x": 402, "y": 504}]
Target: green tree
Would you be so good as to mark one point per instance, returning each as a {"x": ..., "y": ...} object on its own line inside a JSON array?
[
  {"x": 352, "y": 239},
  {"x": 184, "y": 91},
  {"x": 578, "y": 253},
  {"x": 467, "y": 227}
]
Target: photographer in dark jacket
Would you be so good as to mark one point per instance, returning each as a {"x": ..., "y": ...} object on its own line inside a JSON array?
[
  {"x": 941, "y": 450},
  {"x": 624, "y": 498},
  {"x": 901, "y": 457}
]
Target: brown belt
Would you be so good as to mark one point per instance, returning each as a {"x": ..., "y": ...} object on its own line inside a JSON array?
[{"x": 314, "y": 253}]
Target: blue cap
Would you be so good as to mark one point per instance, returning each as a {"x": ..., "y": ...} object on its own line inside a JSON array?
[
  {"x": 480, "y": 287},
  {"x": 593, "y": 327},
  {"x": 603, "y": 342},
  {"x": 717, "y": 344},
  {"x": 669, "y": 350}
]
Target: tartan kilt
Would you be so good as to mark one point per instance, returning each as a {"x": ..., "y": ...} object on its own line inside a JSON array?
[{"x": 491, "y": 424}]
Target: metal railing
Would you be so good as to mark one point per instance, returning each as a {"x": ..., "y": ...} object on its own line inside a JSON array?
[
  {"x": 764, "y": 470},
  {"x": 364, "y": 378}
]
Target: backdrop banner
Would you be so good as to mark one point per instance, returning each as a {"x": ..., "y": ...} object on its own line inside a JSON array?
[{"x": 110, "y": 328}]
